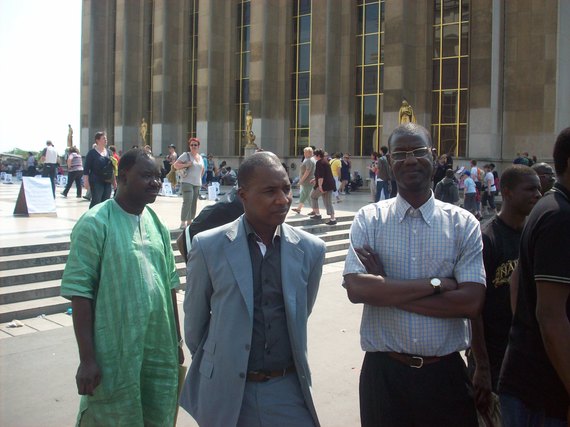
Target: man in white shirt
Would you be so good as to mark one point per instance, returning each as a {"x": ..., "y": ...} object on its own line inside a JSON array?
[
  {"x": 489, "y": 190},
  {"x": 49, "y": 158}
]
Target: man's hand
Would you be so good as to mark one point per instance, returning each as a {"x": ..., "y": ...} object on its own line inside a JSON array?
[
  {"x": 180, "y": 356},
  {"x": 86, "y": 182},
  {"x": 482, "y": 387},
  {"x": 88, "y": 377},
  {"x": 370, "y": 260}
]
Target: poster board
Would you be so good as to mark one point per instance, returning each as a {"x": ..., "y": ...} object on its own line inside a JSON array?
[{"x": 35, "y": 197}]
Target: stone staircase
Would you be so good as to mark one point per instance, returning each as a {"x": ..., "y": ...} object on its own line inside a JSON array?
[{"x": 30, "y": 275}]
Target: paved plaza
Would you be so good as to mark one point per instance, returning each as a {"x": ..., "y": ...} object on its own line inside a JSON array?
[{"x": 38, "y": 361}]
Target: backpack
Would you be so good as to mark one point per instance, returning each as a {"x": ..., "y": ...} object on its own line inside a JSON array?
[
  {"x": 107, "y": 173},
  {"x": 446, "y": 194}
]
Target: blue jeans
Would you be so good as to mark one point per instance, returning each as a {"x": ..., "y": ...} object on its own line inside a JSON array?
[
  {"x": 515, "y": 413},
  {"x": 100, "y": 191},
  {"x": 381, "y": 186}
]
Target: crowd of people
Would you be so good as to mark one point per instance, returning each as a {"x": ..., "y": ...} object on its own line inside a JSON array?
[{"x": 432, "y": 279}]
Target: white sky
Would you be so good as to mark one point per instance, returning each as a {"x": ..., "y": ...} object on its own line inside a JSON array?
[{"x": 40, "y": 66}]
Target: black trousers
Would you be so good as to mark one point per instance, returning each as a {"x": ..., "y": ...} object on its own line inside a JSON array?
[
  {"x": 74, "y": 177},
  {"x": 49, "y": 171},
  {"x": 395, "y": 395}
]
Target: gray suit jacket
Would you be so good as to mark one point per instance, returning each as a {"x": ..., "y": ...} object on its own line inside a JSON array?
[{"x": 218, "y": 322}]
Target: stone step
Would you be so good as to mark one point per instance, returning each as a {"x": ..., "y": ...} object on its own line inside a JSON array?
[
  {"x": 29, "y": 291},
  {"x": 33, "y": 308},
  {"x": 44, "y": 247},
  {"x": 335, "y": 256},
  {"x": 31, "y": 275},
  {"x": 34, "y": 259}
]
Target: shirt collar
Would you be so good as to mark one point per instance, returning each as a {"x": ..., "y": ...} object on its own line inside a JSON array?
[
  {"x": 249, "y": 231},
  {"x": 425, "y": 211}
]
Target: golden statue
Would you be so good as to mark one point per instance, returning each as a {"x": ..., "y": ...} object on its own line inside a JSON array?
[
  {"x": 143, "y": 130},
  {"x": 249, "y": 135},
  {"x": 406, "y": 114},
  {"x": 69, "y": 136}
]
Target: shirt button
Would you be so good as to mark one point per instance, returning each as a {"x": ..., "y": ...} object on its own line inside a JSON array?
[{"x": 242, "y": 375}]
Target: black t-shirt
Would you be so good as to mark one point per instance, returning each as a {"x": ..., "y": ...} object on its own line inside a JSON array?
[
  {"x": 500, "y": 255},
  {"x": 544, "y": 256},
  {"x": 323, "y": 170}
]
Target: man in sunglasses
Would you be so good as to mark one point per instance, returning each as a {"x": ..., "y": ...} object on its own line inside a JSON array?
[{"x": 415, "y": 263}]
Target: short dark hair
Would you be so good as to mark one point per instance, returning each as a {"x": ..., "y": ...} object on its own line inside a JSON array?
[
  {"x": 99, "y": 135},
  {"x": 384, "y": 149},
  {"x": 561, "y": 152},
  {"x": 112, "y": 148},
  {"x": 513, "y": 175},
  {"x": 411, "y": 130},
  {"x": 261, "y": 159},
  {"x": 129, "y": 159},
  {"x": 319, "y": 153},
  {"x": 449, "y": 173}
]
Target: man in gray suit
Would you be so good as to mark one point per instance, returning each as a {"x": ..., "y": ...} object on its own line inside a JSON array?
[{"x": 251, "y": 287}]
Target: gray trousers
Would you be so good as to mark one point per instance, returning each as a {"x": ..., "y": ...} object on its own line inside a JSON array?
[
  {"x": 190, "y": 194},
  {"x": 278, "y": 402},
  {"x": 327, "y": 200}
]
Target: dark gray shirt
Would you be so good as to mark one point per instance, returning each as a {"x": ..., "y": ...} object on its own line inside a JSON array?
[{"x": 270, "y": 345}]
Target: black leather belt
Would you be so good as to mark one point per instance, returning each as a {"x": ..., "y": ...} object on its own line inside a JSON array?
[
  {"x": 263, "y": 376},
  {"x": 416, "y": 361}
]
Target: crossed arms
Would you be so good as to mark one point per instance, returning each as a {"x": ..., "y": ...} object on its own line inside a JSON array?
[{"x": 417, "y": 296}]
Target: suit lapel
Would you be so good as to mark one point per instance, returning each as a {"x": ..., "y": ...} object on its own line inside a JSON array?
[{"x": 237, "y": 255}]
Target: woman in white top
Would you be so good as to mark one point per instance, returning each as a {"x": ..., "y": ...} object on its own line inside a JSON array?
[{"x": 191, "y": 168}]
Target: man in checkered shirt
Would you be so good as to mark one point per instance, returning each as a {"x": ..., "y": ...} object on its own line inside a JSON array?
[{"x": 416, "y": 265}]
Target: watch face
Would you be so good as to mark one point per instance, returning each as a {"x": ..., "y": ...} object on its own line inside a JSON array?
[{"x": 435, "y": 282}]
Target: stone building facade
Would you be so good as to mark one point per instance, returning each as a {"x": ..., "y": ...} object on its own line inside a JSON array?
[{"x": 489, "y": 78}]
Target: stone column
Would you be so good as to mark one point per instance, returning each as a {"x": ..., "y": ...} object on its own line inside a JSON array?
[
  {"x": 408, "y": 53},
  {"x": 486, "y": 79},
  {"x": 169, "y": 96},
  {"x": 132, "y": 52},
  {"x": 96, "y": 65},
  {"x": 216, "y": 76},
  {"x": 333, "y": 75}
]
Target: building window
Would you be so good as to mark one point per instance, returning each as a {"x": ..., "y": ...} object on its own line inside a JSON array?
[
  {"x": 369, "y": 76},
  {"x": 450, "y": 93},
  {"x": 193, "y": 68},
  {"x": 242, "y": 80},
  {"x": 300, "y": 78}
]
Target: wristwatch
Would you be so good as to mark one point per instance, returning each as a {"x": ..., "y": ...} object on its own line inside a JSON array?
[{"x": 436, "y": 284}]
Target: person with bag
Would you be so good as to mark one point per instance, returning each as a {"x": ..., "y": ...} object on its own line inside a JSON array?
[
  {"x": 446, "y": 190},
  {"x": 190, "y": 168},
  {"x": 98, "y": 171},
  {"x": 74, "y": 172}
]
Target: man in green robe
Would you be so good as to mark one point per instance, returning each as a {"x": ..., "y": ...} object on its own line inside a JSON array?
[{"x": 121, "y": 279}]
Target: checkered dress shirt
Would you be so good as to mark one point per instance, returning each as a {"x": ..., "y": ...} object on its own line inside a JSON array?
[{"x": 436, "y": 240}]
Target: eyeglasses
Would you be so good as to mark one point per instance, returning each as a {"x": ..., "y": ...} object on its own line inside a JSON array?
[
  {"x": 398, "y": 156},
  {"x": 194, "y": 145}
]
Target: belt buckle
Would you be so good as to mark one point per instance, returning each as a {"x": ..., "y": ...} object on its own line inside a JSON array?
[{"x": 420, "y": 362}]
